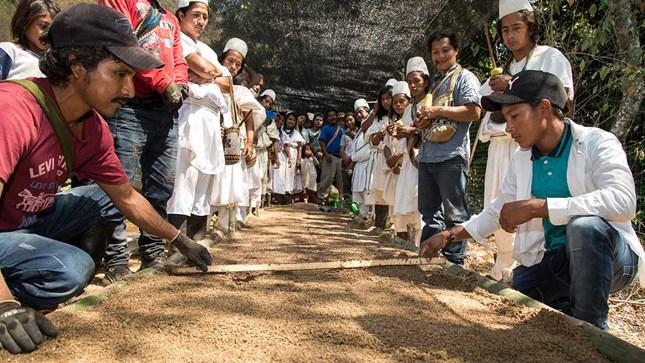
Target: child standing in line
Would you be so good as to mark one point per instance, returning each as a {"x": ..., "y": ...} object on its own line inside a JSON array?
[{"x": 309, "y": 174}]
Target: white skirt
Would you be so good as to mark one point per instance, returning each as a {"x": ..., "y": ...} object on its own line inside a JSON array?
[
  {"x": 500, "y": 153},
  {"x": 231, "y": 186},
  {"x": 192, "y": 191}
]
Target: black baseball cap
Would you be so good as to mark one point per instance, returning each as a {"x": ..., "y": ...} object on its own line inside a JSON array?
[
  {"x": 91, "y": 25},
  {"x": 529, "y": 87}
]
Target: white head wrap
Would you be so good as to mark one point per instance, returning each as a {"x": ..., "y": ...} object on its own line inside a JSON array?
[
  {"x": 361, "y": 103},
  {"x": 401, "y": 87},
  {"x": 270, "y": 93},
  {"x": 390, "y": 82},
  {"x": 183, "y": 3},
  {"x": 510, "y": 6},
  {"x": 238, "y": 45},
  {"x": 417, "y": 64}
]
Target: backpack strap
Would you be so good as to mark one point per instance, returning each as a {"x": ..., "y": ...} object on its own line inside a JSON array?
[{"x": 55, "y": 119}]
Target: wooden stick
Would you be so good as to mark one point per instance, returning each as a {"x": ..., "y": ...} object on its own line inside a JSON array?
[{"x": 414, "y": 261}]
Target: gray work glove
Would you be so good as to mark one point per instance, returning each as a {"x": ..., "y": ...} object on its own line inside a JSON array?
[
  {"x": 193, "y": 251},
  {"x": 21, "y": 328},
  {"x": 173, "y": 97}
]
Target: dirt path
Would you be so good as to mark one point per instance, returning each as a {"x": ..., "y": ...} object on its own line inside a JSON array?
[{"x": 377, "y": 315}]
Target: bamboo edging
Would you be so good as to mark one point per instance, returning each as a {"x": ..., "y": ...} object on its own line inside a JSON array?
[{"x": 413, "y": 261}]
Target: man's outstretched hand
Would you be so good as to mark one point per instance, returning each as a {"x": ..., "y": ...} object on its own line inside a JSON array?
[
  {"x": 433, "y": 245},
  {"x": 193, "y": 251},
  {"x": 23, "y": 329}
]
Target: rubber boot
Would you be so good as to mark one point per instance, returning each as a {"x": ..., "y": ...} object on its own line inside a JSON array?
[
  {"x": 196, "y": 227},
  {"x": 93, "y": 241},
  {"x": 177, "y": 220},
  {"x": 381, "y": 213}
]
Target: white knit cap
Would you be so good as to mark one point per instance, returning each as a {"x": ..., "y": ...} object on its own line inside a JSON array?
[
  {"x": 236, "y": 44},
  {"x": 401, "y": 87},
  {"x": 361, "y": 103},
  {"x": 183, "y": 3},
  {"x": 390, "y": 82},
  {"x": 268, "y": 92},
  {"x": 510, "y": 6},
  {"x": 417, "y": 64}
]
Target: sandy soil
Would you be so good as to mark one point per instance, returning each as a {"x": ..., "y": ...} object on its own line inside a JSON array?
[{"x": 377, "y": 315}]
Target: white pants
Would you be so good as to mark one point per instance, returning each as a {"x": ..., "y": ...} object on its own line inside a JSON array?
[
  {"x": 192, "y": 191},
  {"x": 500, "y": 152}
]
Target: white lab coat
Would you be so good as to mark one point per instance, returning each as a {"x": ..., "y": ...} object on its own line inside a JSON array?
[{"x": 600, "y": 182}]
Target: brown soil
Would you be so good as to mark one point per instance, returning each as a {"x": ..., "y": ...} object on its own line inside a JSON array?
[{"x": 378, "y": 314}]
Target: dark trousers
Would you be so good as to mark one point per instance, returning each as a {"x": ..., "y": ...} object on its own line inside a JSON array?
[
  {"x": 578, "y": 277},
  {"x": 443, "y": 201},
  {"x": 147, "y": 139}
]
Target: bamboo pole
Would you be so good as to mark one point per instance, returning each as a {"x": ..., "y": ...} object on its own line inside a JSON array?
[{"x": 414, "y": 261}]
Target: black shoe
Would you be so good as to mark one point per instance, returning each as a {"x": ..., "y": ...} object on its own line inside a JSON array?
[{"x": 117, "y": 273}]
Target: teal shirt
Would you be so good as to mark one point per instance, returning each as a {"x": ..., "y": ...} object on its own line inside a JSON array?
[{"x": 550, "y": 181}]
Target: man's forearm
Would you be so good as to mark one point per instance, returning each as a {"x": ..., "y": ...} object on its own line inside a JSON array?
[
  {"x": 138, "y": 210},
  {"x": 465, "y": 113}
]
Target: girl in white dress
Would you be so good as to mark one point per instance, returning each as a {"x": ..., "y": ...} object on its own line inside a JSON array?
[
  {"x": 200, "y": 154},
  {"x": 291, "y": 141},
  {"x": 231, "y": 190}
]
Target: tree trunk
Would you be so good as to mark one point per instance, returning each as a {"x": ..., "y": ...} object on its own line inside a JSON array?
[{"x": 630, "y": 52}]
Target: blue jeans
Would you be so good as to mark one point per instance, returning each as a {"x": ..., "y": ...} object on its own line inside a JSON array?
[
  {"x": 443, "y": 201},
  {"x": 40, "y": 264},
  {"x": 145, "y": 139},
  {"x": 578, "y": 277}
]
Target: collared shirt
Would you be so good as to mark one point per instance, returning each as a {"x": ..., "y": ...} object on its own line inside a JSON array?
[
  {"x": 550, "y": 181},
  {"x": 466, "y": 91}
]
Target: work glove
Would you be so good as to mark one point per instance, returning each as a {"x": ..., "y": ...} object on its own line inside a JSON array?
[
  {"x": 193, "y": 251},
  {"x": 173, "y": 97},
  {"x": 21, "y": 328}
]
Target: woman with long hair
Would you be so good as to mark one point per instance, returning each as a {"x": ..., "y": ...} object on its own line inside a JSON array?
[{"x": 19, "y": 58}]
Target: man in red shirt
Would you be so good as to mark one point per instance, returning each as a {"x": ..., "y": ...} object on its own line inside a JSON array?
[
  {"x": 44, "y": 259},
  {"x": 144, "y": 129}
]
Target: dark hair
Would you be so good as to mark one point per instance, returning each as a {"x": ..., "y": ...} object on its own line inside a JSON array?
[
  {"x": 328, "y": 111},
  {"x": 26, "y": 13},
  {"x": 532, "y": 23},
  {"x": 223, "y": 55},
  {"x": 454, "y": 40},
  {"x": 381, "y": 110},
  {"x": 185, "y": 9},
  {"x": 318, "y": 114},
  {"x": 57, "y": 64}
]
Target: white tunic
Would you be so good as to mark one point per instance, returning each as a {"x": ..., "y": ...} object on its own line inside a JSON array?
[
  {"x": 199, "y": 153},
  {"x": 285, "y": 176},
  {"x": 17, "y": 62},
  {"x": 378, "y": 166},
  {"x": 406, "y": 200},
  {"x": 309, "y": 174},
  {"x": 361, "y": 156}
]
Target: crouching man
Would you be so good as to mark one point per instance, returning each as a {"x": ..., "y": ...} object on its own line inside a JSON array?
[
  {"x": 568, "y": 195},
  {"x": 48, "y": 249}
]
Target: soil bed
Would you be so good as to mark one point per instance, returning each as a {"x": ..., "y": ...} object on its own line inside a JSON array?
[{"x": 377, "y": 314}]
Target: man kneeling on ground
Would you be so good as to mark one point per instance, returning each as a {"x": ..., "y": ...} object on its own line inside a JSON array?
[
  {"x": 568, "y": 195},
  {"x": 47, "y": 247}
]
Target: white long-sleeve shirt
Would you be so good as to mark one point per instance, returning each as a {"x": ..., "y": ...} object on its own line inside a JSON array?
[{"x": 600, "y": 182}]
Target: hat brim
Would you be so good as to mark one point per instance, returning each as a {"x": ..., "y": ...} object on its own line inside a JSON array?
[
  {"x": 136, "y": 57},
  {"x": 496, "y": 101}
]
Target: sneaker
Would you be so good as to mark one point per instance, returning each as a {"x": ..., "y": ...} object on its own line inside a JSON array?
[{"x": 117, "y": 273}]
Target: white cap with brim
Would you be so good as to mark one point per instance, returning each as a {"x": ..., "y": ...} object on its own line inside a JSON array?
[
  {"x": 184, "y": 3},
  {"x": 237, "y": 45},
  {"x": 270, "y": 93},
  {"x": 511, "y": 6},
  {"x": 390, "y": 82},
  {"x": 401, "y": 87},
  {"x": 417, "y": 64},
  {"x": 361, "y": 103}
]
